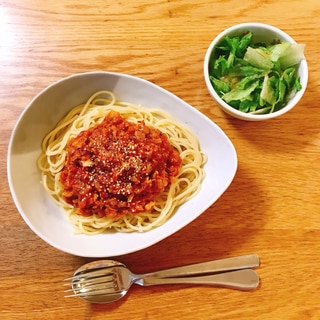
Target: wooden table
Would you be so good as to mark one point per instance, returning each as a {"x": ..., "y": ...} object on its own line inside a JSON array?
[{"x": 271, "y": 208}]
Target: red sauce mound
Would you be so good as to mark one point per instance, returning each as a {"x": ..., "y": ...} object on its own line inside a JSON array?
[{"x": 118, "y": 167}]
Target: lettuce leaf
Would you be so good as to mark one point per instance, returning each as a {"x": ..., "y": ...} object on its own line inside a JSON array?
[
  {"x": 292, "y": 56},
  {"x": 259, "y": 58},
  {"x": 240, "y": 94}
]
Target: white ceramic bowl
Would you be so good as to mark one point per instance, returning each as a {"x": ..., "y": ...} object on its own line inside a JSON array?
[
  {"x": 48, "y": 221},
  {"x": 261, "y": 33}
]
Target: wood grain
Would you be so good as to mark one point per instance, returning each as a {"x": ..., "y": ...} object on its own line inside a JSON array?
[{"x": 271, "y": 208}]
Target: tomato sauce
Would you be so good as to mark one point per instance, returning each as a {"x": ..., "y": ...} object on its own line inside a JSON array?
[{"x": 118, "y": 167}]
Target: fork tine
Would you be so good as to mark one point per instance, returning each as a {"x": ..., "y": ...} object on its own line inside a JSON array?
[
  {"x": 89, "y": 282},
  {"x": 96, "y": 278},
  {"x": 92, "y": 292},
  {"x": 90, "y": 274},
  {"x": 84, "y": 280},
  {"x": 96, "y": 283}
]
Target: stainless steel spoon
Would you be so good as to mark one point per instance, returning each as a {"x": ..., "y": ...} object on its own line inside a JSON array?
[{"x": 108, "y": 280}]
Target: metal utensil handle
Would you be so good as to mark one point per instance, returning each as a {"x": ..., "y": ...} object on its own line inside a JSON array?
[
  {"x": 245, "y": 279},
  {"x": 215, "y": 266}
]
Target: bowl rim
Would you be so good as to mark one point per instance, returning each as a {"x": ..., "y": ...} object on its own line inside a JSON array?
[{"x": 229, "y": 109}]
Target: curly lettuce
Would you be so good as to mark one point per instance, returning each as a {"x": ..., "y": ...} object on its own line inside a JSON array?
[{"x": 255, "y": 78}]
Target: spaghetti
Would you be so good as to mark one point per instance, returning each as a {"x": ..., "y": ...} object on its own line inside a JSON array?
[{"x": 178, "y": 182}]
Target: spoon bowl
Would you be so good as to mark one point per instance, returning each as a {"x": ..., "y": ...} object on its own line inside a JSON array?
[{"x": 81, "y": 287}]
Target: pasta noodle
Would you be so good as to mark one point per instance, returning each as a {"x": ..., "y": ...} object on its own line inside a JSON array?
[{"x": 85, "y": 116}]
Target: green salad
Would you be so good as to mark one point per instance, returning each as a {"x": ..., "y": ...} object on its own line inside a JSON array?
[{"x": 255, "y": 77}]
